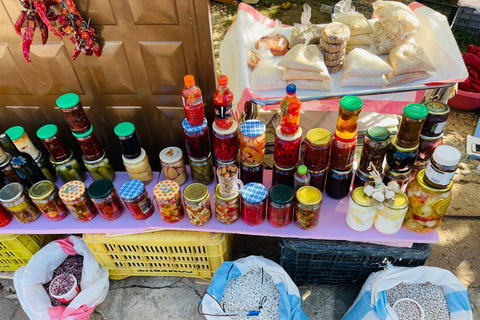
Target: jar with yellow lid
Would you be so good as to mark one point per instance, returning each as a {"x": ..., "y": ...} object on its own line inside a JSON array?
[
  {"x": 169, "y": 202},
  {"x": 14, "y": 198},
  {"x": 427, "y": 205},
  {"x": 74, "y": 196},
  {"x": 44, "y": 195},
  {"x": 318, "y": 144},
  {"x": 227, "y": 209},
  {"x": 307, "y": 208},
  {"x": 196, "y": 199},
  {"x": 389, "y": 220},
  {"x": 361, "y": 213}
]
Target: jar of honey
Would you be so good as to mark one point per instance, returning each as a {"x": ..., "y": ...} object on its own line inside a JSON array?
[
  {"x": 350, "y": 108},
  {"x": 413, "y": 117}
]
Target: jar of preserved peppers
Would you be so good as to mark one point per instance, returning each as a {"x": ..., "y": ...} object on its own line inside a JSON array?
[
  {"x": 348, "y": 113},
  {"x": 192, "y": 101},
  {"x": 318, "y": 144},
  {"x": 223, "y": 99},
  {"x": 426, "y": 148},
  {"x": 169, "y": 202},
  {"x": 307, "y": 207},
  {"x": 251, "y": 173},
  {"x": 69, "y": 169},
  {"x": 44, "y": 195},
  {"x": 5, "y": 216},
  {"x": 136, "y": 199},
  {"x": 173, "y": 165},
  {"x": 374, "y": 149},
  {"x": 290, "y": 108},
  {"x": 225, "y": 142},
  {"x": 139, "y": 168},
  {"x": 343, "y": 153},
  {"x": 21, "y": 140},
  {"x": 197, "y": 139},
  {"x": 127, "y": 136},
  {"x": 362, "y": 179},
  {"x": 317, "y": 179},
  {"x": 338, "y": 183},
  {"x": 402, "y": 178},
  {"x": 8, "y": 170},
  {"x": 360, "y": 213},
  {"x": 227, "y": 209},
  {"x": 253, "y": 203},
  {"x": 74, "y": 196},
  {"x": 282, "y": 175},
  {"x": 252, "y": 142},
  {"x": 401, "y": 159},
  {"x": 437, "y": 118},
  {"x": 52, "y": 141},
  {"x": 100, "y": 168},
  {"x": 442, "y": 166},
  {"x": 46, "y": 167},
  {"x": 73, "y": 111},
  {"x": 91, "y": 148},
  {"x": 389, "y": 220},
  {"x": 287, "y": 148},
  {"x": 13, "y": 197},
  {"x": 202, "y": 170},
  {"x": 413, "y": 117},
  {"x": 280, "y": 205},
  {"x": 196, "y": 199},
  {"x": 105, "y": 199}
]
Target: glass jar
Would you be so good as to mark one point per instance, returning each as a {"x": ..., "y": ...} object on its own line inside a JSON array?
[
  {"x": 287, "y": 148},
  {"x": 46, "y": 167},
  {"x": 227, "y": 209},
  {"x": 254, "y": 203},
  {"x": 91, "y": 148},
  {"x": 13, "y": 197},
  {"x": 138, "y": 168},
  {"x": 228, "y": 180},
  {"x": 8, "y": 171},
  {"x": 389, "y": 220},
  {"x": 301, "y": 178},
  {"x": 197, "y": 139},
  {"x": 21, "y": 140},
  {"x": 173, "y": 165},
  {"x": 202, "y": 170},
  {"x": 252, "y": 142},
  {"x": 348, "y": 113},
  {"x": 136, "y": 199},
  {"x": 338, "y": 183},
  {"x": 282, "y": 175},
  {"x": 425, "y": 149},
  {"x": 100, "y": 168},
  {"x": 374, "y": 149},
  {"x": 362, "y": 179},
  {"x": 427, "y": 205},
  {"x": 44, "y": 195},
  {"x": 280, "y": 205},
  {"x": 219, "y": 164},
  {"x": 442, "y": 166},
  {"x": 251, "y": 173},
  {"x": 317, "y": 179},
  {"x": 69, "y": 169},
  {"x": 290, "y": 108},
  {"x": 74, "y": 196},
  {"x": 3, "y": 155},
  {"x": 413, "y": 117},
  {"x": 105, "y": 199},
  {"x": 318, "y": 144},
  {"x": 52, "y": 141},
  {"x": 400, "y": 159},
  {"x": 127, "y": 136},
  {"x": 225, "y": 143},
  {"x": 5, "y": 217},
  {"x": 437, "y": 118},
  {"x": 73, "y": 111},
  {"x": 169, "y": 202},
  {"x": 343, "y": 152},
  {"x": 360, "y": 213},
  {"x": 197, "y": 204},
  {"x": 401, "y": 178},
  {"x": 307, "y": 207}
]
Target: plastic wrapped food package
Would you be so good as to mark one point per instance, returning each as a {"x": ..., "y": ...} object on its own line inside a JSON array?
[
  {"x": 196, "y": 199},
  {"x": 173, "y": 165},
  {"x": 227, "y": 209},
  {"x": 399, "y": 21},
  {"x": 367, "y": 68},
  {"x": 298, "y": 32},
  {"x": 389, "y": 220},
  {"x": 396, "y": 79},
  {"x": 311, "y": 85},
  {"x": 361, "y": 213},
  {"x": 74, "y": 196},
  {"x": 169, "y": 202},
  {"x": 13, "y": 197},
  {"x": 100, "y": 168},
  {"x": 139, "y": 168},
  {"x": 267, "y": 75},
  {"x": 275, "y": 41},
  {"x": 409, "y": 57},
  {"x": 253, "y": 203},
  {"x": 45, "y": 196},
  {"x": 136, "y": 199},
  {"x": 368, "y": 48},
  {"x": 336, "y": 32},
  {"x": 356, "y": 21},
  {"x": 105, "y": 199},
  {"x": 306, "y": 57},
  {"x": 295, "y": 74},
  {"x": 307, "y": 207},
  {"x": 69, "y": 169},
  {"x": 361, "y": 39}
]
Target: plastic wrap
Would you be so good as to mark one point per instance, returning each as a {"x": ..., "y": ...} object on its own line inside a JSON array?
[
  {"x": 298, "y": 32},
  {"x": 267, "y": 75},
  {"x": 409, "y": 57},
  {"x": 399, "y": 22}
]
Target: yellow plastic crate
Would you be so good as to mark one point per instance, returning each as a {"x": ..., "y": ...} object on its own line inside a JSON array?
[{"x": 161, "y": 253}]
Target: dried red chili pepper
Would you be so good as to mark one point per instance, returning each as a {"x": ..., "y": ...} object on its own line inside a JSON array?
[
  {"x": 28, "y": 37},
  {"x": 72, "y": 8},
  {"x": 51, "y": 15},
  {"x": 41, "y": 11},
  {"x": 43, "y": 29},
  {"x": 75, "y": 54},
  {"x": 19, "y": 23},
  {"x": 96, "y": 50}
]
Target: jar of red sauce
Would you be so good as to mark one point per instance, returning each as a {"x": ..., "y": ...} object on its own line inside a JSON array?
[
  {"x": 73, "y": 111},
  {"x": 318, "y": 144},
  {"x": 197, "y": 139},
  {"x": 136, "y": 199},
  {"x": 253, "y": 203},
  {"x": 280, "y": 205},
  {"x": 225, "y": 142},
  {"x": 343, "y": 152},
  {"x": 282, "y": 175},
  {"x": 52, "y": 141},
  {"x": 89, "y": 144},
  {"x": 287, "y": 148}
]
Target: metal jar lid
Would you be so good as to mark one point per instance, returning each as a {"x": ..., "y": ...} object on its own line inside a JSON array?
[
  {"x": 195, "y": 192},
  {"x": 420, "y": 178},
  {"x": 360, "y": 198},
  {"x": 11, "y": 192},
  {"x": 319, "y": 136},
  {"x": 394, "y": 142},
  {"x": 41, "y": 190},
  {"x": 309, "y": 195},
  {"x": 400, "y": 202}
]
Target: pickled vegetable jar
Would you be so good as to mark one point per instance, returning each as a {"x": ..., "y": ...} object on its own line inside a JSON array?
[
  {"x": 136, "y": 199},
  {"x": 197, "y": 139},
  {"x": 91, "y": 148},
  {"x": 338, "y": 183},
  {"x": 389, "y": 220},
  {"x": 202, "y": 170},
  {"x": 44, "y": 195},
  {"x": 73, "y": 111},
  {"x": 169, "y": 202},
  {"x": 251, "y": 173},
  {"x": 192, "y": 101},
  {"x": 280, "y": 205},
  {"x": 21, "y": 140},
  {"x": 374, "y": 149},
  {"x": 69, "y": 169},
  {"x": 360, "y": 213},
  {"x": 442, "y": 166},
  {"x": 13, "y": 197},
  {"x": 317, "y": 179},
  {"x": 437, "y": 118},
  {"x": 426, "y": 148},
  {"x": 5, "y": 217},
  {"x": 348, "y": 113},
  {"x": 282, "y": 175},
  {"x": 74, "y": 196},
  {"x": 253, "y": 203},
  {"x": 343, "y": 152},
  {"x": 196, "y": 199},
  {"x": 127, "y": 136},
  {"x": 307, "y": 207},
  {"x": 100, "y": 168},
  {"x": 362, "y": 179},
  {"x": 105, "y": 199},
  {"x": 225, "y": 142},
  {"x": 318, "y": 144},
  {"x": 252, "y": 142},
  {"x": 173, "y": 165},
  {"x": 46, "y": 167},
  {"x": 8, "y": 170},
  {"x": 401, "y": 178},
  {"x": 287, "y": 148},
  {"x": 52, "y": 141},
  {"x": 400, "y": 159},
  {"x": 413, "y": 117},
  {"x": 227, "y": 209},
  {"x": 223, "y": 99},
  {"x": 290, "y": 108},
  {"x": 139, "y": 168}
]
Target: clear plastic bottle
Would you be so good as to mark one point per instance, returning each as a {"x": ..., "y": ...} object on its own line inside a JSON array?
[
  {"x": 222, "y": 99},
  {"x": 301, "y": 178},
  {"x": 290, "y": 108},
  {"x": 192, "y": 101}
]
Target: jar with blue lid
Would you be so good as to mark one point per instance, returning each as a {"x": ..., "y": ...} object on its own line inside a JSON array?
[
  {"x": 136, "y": 199},
  {"x": 197, "y": 139},
  {"x": 252, "y": 142},
  {"x": 254, "y": 198}
]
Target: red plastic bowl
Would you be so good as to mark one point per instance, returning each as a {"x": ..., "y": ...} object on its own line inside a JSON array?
[{"x": 464, "y": 100}]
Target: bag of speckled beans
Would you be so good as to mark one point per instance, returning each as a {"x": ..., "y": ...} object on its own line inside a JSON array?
[{"x": 399, "y": 293}]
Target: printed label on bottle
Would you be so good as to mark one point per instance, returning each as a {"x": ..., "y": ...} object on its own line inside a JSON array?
[
  {"x": 438, "y": 128},
  {"x": 145, "y": 205},
  {"x": 224, "y": 112},
  {"x": 437, "y": 176},
  {"x": 193, "y": 103}
]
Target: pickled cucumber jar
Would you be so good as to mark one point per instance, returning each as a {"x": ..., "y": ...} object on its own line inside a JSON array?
[
  {"x": 227, "y": 209},
  {"x": 202, "y": 170},
  {"x": 74, "y": 196},
  {"x": 361, "y": 213},
  {"x": 46, "y": 167},
  {"x": 69, "y": 169},
  {"x": 196, "y": 199},
  {"x": 105, "y": 198},
  {"x": 73, "y": 111},
  {"x": 138, "y": 168},
  {"x": 44, "y": 195},
  {"x": 52, "y": 141},
  {"x": 100, "y": 168},
  {"x": 91, "y": 148},
  {"x": 389, "y": 220},
  {"x": 21, "y": 140},
  {"x": 169, "y": 201},
  {"x": 13, "y": 197},
  {"x": 348, "y": 114},
  {"x": 173, "y": 165},
  {"x": 413, "y": 117},
  {"x": 307, "y": 207}
]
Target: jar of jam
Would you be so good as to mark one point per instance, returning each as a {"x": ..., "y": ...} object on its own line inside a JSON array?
[
  {"x": 21, "y": 140},
  {"x": 374, "y": 149},
  {"x": 127, "y": 136},
  {"x": 69, "y": 169},
  {"x": 169, "y": 202},
  {"x": 343, "y": 152},
  {"x": 192, "y": 101},
  {"x": 290, "y": 109},
  {"x": 348, "y": 113},
  {"x": 427, "y": 205},
  {"x": 73, "y": 111},
  {"x": 197, "y": 204},
  {"x": 360, "y": 213},
  {"x": 173, "y": 165},
  {"x": 338, "y": 183},
  {"x": 100, "y": 168},
  {"x": 5, "y": 217},
  {"x": 225, "y": 142},
  {"x": 202, "y": 170},
  {"x": 280, "y": 205},
  {"x": 317, "y": 179},
  {"x": 52, "y": 141},
  {"x": 13, "y": 197},
  {"x": 282, "y": 175},
  {"x": 253, "y": 203},
  {"x": 251, "y": 173},
  {"x": 227, "y": 209},
  {"x": 74, "y": 196},
  {"x": 389, "y": 220},
  {"x": 318, "y": 144},
  {"x": 252, "y": 142},
  {"x": 287, "y": 148},
  {"x": 197, "y": 139},
  {"x": 413, "y": 117},
  {"x": 425, "y": 149},
  {"x": 437, "y": 118},
  {"x": 8, "y": 170},
  {"x": 307, "y": 207},
  {"x": 442, "y": 166},
  {"x": 223, "y": 99},
  {"x": 138, "y": 168},
  {"x": 105, "y": 199},
  {"x": 402, "y": 178},
  {"x": 362, "y": 179},
  {"x": 401, "y": 159},
  {"x": 136, "y": 199},
  {"x": 44, "y": 195},
  {"x": 91, "y": 148},
  {"x": 46, "y": 167}
]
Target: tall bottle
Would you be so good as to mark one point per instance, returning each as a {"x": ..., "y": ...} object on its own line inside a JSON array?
[
  {"x": 222, "y": 99},
  {"x": 290, "y": 108},
  {"x": 192, "y": 101}
]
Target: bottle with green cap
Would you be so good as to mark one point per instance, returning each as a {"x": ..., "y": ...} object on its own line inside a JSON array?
[
  {"x": 72, "y": 109},
  {"x": 127, "y": 137},
  {"x": 348, "y": 113},
  {"x": 301, "y": 178},
  {"x": 413, "y": 117},
  {"x": 22, "y": 141}
]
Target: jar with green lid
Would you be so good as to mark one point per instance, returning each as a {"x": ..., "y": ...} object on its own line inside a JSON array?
[
  {"x": 280, "y": 205},
  {"x": 46, "y": 167},
  {"x": 44, "y": 195},
  {"x": 69, "y": 169},
  {"x": 52, "y": 141},
  {"x": 437, "y": 118},
  {"x": 227, "y": 209},
  {"x": 21, "y": 140},
  {"x": 389, "y": 220},
  {"x": 105, "y": 198},
  {"x": 413, "y": 117},
  {"x": 307, "y": 207},
  {"x": 13, "y": 196},
  {"x": 127, "y": 136},
  {"x": 401, "y": 159},
  {"x": 374, "y": 149},
  {"x": 196, "y": 200},
  {"x": 73, "y": 111},
  {"x": 202, "y": 169},
  {"x": 318, "y": 144},
  {"x": 91, "y": 148},
  {"x": 100, "y": 168},
  {"x": 360, "y": 213},
  {"x": 138, "y": 168},
  {"x": 348, "y": 113}
]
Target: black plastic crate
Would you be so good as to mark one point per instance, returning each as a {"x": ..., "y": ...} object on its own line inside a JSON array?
[{"x": 331, "y": 262}]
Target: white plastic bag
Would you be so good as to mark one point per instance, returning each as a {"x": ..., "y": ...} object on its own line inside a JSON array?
[
  {"x": 28, "y": 282},
  {"x": 298, "y": 32},
  {"x": 267, "y": 75},
  {"x": 344, "y": 12},
  {"x": 398, "y": 20}
]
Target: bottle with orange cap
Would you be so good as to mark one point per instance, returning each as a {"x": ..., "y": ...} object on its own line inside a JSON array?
[
  {"x": 192, "y": 101},
  {"x": 223, "y": 99}
]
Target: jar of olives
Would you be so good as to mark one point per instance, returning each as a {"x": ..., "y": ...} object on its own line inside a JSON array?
[
  {"x": 100, "y": 168},
  {"x": 196, "y": 199},
  {"x": 105, "y": 199},
  {"x": 138, "y": 168},
  {"x": 169, "y": 202},
  {"x": 69, "y": 169},
  {"x": 74, "y": 196},
  {"x": 73, "y": 111},
  {"x": 91, "y": 148},
  {"x": 202, "y": 170},
  {"x": 173, "y": 165},
  {"x": 14, "y": 198},
  {"x": 44, "y": 195},
  {"x": 307, "y": 208}
]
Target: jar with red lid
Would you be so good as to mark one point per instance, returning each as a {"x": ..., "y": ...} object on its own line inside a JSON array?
[
  {"x": 252, "y": 142},
  {"x": 225, "y": 142},
  {"x": 251, "y": 173},
  {"x": 197, "y": 139},
  {"x": 73, "y": 111},
  {"x": 413, "y": 117},
  {"x": 287, "y": 148},
  {"x": 317, "y": 179},
  {"x": 374, "y": 149},
  {"x": 437, "y": 118},
  {"x": 348, "y": 114},
  {"x": 426, "y": 148},
  {"x": 254, "y": 203},
  {"x": 74, "y": 196},
  {"x": 402, "y": 178},
  {"x": 91, "y": 148},
  {"x": 223, "y": 99},
  {"x": 45, "y": 195},
  {"x": 338, "y": 183},
  {"x": 280, "y": 205},
  {"x": 105, "y": 199},
  {"x": 282, "y": 175},
  {"x": 343, "y": 152},
  {"x": 169, "y": 202},
  {"x": 192, "y": 101},
  {"x": 318, "y": 144},
  {"x": 52, "y": 141},
  {"x": 136, "y": 199}
]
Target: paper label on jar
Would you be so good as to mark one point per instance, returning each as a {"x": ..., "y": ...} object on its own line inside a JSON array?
[
  {"x": 437, "y": 176},
  {"x": 438, "y": 128},
  {"x": 145, "y": 205}
]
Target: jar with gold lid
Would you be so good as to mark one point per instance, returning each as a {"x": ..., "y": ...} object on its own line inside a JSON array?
[
  {"x": 196, "y": 199},
  {"x": 44, "y": 195}
]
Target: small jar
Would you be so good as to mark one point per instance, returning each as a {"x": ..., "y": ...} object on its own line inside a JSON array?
[
  {"x": 425, "y": 149},
  {"x": 343, "y": 152},
  {"x": 442, "y": 166},
  {"x": 287, "y": 148},
  {"x": 252, "y": 142},
  {"x": 338, "y": 183},
  {"x": 251, "y": 173},
  {"x": 400, "y": 159},
  {"x": 280, "y": 205},
  {"x": 136, "y": 199},
  {"x": 360, "y": 213},
  {"x": 73, "y": 111},
  {"x": 52, "y": 141},
  {"x": 8, "y": 170},
  {"x": 390, "y": 219},
  {"x": 21, "y": 140},
  {"x": 225, "y": 142},
  {"x": 318, "y": 144},
  {"x": 307, "y": 207},
  {"x": 173, "y": 165},
  {"x": 348, "y": 113},
  {"x": 196, "y": 199},
  {"x": 127, "y": 136},
  {"x": 437, "y": 118},
  {"x": 401, "y": 178},
  {"x": 202, "y": 170},
  {"x": 197, "y": 139},
  {"x": 105, "y": 199},
  {"x": 5, "y": 217},
  {"x": 413, "y": 117},
  {"x": 169, "y": 202},
  {"x": 374, "y": 149},
  {"x": 227, "y": 209},
  {"x": 139, "y": 168},
  {"x": 282, "y": 175},
  {"x": 69, "y": 169},
  {"x": 45, "y": 196},
  {"x": 14, "y": 198},
  {"x": 91, "y": 148},
  {"x": 74, "y": 196},
  {"x": 46, "y": 167},
  {"x": 301, "y": 178},
  {"x": 317, "y": 179},
  {"x": 253, "y": 203},
  {"x": 362, "y": 179},
  {"x": 100, "y": 168}
]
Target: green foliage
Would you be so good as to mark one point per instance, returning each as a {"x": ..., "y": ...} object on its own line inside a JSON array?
[{"x": 464, "y": 39}]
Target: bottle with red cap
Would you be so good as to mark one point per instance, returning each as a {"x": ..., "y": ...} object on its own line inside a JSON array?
[
  {"x": 290, "y": 108},
  {"x": 192, "y": 101},
  {"x": 223, "y": 99}
]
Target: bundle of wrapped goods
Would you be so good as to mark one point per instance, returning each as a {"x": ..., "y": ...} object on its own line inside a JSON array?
[
  {"x": 333, "y": 43},
  {"x": 300, "y": 30},
  {"x": 365, "y": 69},
  {"x": 361, "y": 31},
  {"x": 275, "y": 41}
]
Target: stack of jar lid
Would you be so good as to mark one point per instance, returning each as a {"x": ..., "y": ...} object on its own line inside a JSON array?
[{"x": 252, "y": 151}]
